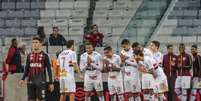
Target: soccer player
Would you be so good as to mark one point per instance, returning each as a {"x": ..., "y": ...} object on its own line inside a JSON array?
[
  {"x": 112, "y": 64},
  {"x": 196, "y": 80},
  {"x": 91, "y": 63},
  {"x": 161, "y": 80},
  {"x": 183, "y": 79},
  {"x": 129, "y": 77},
  {"x": 170, "y": 64},
  {"x": 67, "y": 62},
  {"x": 36, "y": 65}
]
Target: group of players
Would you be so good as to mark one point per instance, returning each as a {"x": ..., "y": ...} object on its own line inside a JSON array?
[{"x": 136, "y": 71}]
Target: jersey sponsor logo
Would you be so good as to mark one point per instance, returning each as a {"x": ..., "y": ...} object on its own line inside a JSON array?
[{"x": 35, "y": 65}]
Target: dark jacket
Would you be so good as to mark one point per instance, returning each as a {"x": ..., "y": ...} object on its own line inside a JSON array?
[
  {"x": 186, "y": 64},
  {"x": 57, "y": 41},
  {"x": 196, "y": 65},
  {"x": 170, "y": 69}
]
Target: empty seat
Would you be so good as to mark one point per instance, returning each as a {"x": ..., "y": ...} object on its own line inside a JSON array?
[
  {"x": 174, "y": 39},
  {"x": 102, "y": 22},
  {"x": 77, "y": 22},
  {"x": 181, "y": 31},
  {"x": 63, "y": 13},
  {"x": 3, "y": 14},
  {"x": 80, "y": 13},
  {"x": 15, "y": 14},
  {"x": 129, "y": 13},
  {"x": 119, "y": 22},
  {"x": 38, "y": 5},
  {"x": 176, "y": 14},
  {"x": 2, "y": 31},
  {"x": 81, "y": 4},
  {"x": 30, "y": 31},
  {"x": 115, "y": 13},
  {"x": 122, "y": 4},
  {"x": 60, "y": 22},
  {"x": 190, "y": 13},
  {"x": 29, "y": 23},
  {"x": 45, "y": 22},
  {"x": 76, "y": 31},
  {"x": 2, "y": 23},
  {"x": 51, "y": 5},
  {"x": 169, "y": 23},
  {"x": 47, "y": 13},
  {"x": 189, "y": 39},
  {"x": 197, "y": 22},
  {"x": 23, "y": 5},
  {"x": 104, "y": 4},
  {"x": 48, "y": 30},
  {"x": 134, "y": 3},
  {"x": 101, "y": 13},
  {"x": 31, "y": 14},
  {"x": 117, "y": 31},
  {"x": 8, "y": 5},
  {"x": 66, "y": 4},
  {"x": 16, "y": 31},
  {"x": 185, "y": 22},
  {"x": 63, "y": 31},
  {"x": 105, "y": 30},
  {"x": 13, "y": 23}
]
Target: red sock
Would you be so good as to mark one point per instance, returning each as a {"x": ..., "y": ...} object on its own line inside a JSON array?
[{"x": 198, "y": 96}]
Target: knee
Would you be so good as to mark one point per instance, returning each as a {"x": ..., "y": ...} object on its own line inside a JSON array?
[
  {"x": 178, "y": 91},
  {"x": 87, "y": 94}
]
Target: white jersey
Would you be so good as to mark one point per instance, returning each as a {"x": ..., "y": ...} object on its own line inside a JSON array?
[
  {"x": 96, "y": 63},
  {"x": 128, "y": 53},
  {"x": 115, "y": 60},
  {"x": 64, "y": 58},
  {"x": 158, "y": 58}
]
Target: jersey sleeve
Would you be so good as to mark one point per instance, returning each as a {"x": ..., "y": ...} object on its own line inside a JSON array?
[
  {"x": 74, "y": 57},
  {"x": 83, "y": 65}
]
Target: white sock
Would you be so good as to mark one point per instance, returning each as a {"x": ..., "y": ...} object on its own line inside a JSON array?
[
  {"x": 161, "y": 97},
  {"x": 87, "y": 98},
  {"x": 121, "y": 97},
  {"x": 130, "y": 99},
  {"x": 137, "y": 98},
  {"x": 101, "y": 98},
  {"x": 184, "y": 98},
  {"x": 113, "y": 98},
  {"x": 147, "y": 96},
  {"x": 192, "y": 98}
]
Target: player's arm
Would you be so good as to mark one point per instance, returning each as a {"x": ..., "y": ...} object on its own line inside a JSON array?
[
  {"x": 83, "y": 65},
  {"x": 131, "y": 62},
  {"x": 116, "y": 66},
  {"x": 98, "y": 66},
  {"x": 26, "y": 72},
  {"x": 189, "y": 62},
  {"x": 48, "y": 67}
]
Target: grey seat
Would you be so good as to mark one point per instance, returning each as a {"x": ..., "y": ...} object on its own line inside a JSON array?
[
  {"x": 15, "y": 31},
  {"x": 190, "y": 14},
  {"x": 38, "y": 5},
  {"x": 15, "y": 14},
  {"x": 3, "y": 14},
  {"x": 23, "y": 5},
  {"x": 31, "y": 13},
  {"x": 2, "y": 23},
  {"x": 186, "y": 22},
  {"x": 29, "y": 23},
  {"x": 30, "y": 31},
  {"x": 8, "y": 5},
  {"x": 13, "y": 23}
]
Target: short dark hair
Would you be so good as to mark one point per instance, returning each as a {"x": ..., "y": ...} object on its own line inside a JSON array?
[
  {"x": 108, "y": 48},
  {"x": 135, "y": 44},
  {"x": 37, "y": 38},
  {"x": 13, "y": 42},
  {"x": 55, "y": 27},
  {"x": 156, "y": 43},
  {"x": 194, "y": 46},
  {"x": 170, "y": 45},
  {"x": 181, "y": 45},
  {"x": 125, "y": 41},
  {"x": 88, "y": 43},
  {"x": 69, "y": 43},
  {"x": 140, "y": 53}
]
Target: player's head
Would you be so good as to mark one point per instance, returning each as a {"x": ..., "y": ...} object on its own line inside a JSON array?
[
  {"x": 70, "y": 44},
  {"x": 154, "y": 46},
  {"x": 194, "y": 49},
  {"x": 139, "y": 56},
  {"x": 89, "y": 47},
  {"x": 181, "y": 48},
  {"x": 55, "y": 30},
  {"x": 136, "y": 47},
  {"x": 94, "y": 28},
  {"x": 108, "y": 51},
  {"x": 36, "y": 43},
  {"x": 170, "y": 49},
  {"x": 125, "y": 44},
  {"x": 14, "y": 42}
]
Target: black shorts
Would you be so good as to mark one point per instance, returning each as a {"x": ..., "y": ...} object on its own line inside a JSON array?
[{"x": 36, "y": 91}]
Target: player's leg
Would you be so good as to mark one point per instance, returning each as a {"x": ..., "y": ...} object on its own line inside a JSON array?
[
  {"x": 62, "y": 97},
  {"x": 137, "y": 89},
  {"x": 88, "y": 87},
  {"x": 31, "y": 91},
  {"x": 178, "y": 87},
  {"x": 71, "y": 96},
  {"x": 41, "y": 91},
  {"x": 193, "y": 90},
  {"x": 98, "y": 85},
  {"x": 137, "y": 96}
]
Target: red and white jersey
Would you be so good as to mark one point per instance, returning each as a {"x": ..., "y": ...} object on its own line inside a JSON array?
[
  {"x": 128, "y": 53},
  {"x": 158, "y": 58},
  {"x": 64, "y": 59},
  {"x": 115, "y": 60},
  {"x": 96, "y": 66},
  {"x": 148, "y": 59}
]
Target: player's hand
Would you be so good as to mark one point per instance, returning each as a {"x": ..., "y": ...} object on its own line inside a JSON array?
[
  {"x": 81, "y": 76},
  {"x": 89, "y": 61},
  {"x": 51, "y": 87},
  {"x": 21, "y": 82},
  {"x": 123, "y": 58},
  {"x": 142, "y": 69}
]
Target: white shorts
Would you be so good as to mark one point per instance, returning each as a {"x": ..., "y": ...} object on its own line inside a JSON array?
[
  {"x": 91, "y": 82},
  {"x": 148, "y": 81},
  {"x": 161, "y": 85},
  {"x": 183, "y": 82},
  {"x": 67, "y": 84},
  {"x": 115, "y": 84},
  {"x": 196, "y": 83}
]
